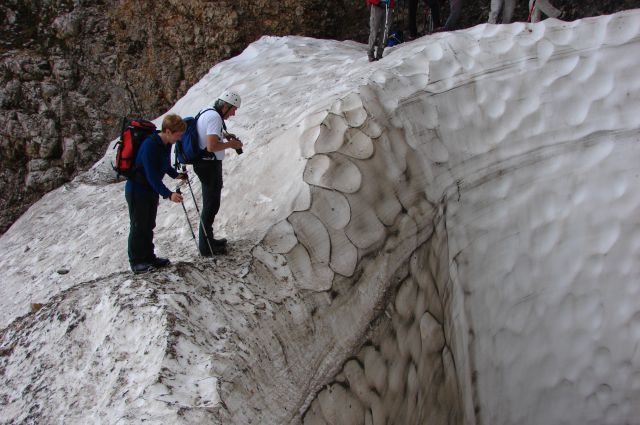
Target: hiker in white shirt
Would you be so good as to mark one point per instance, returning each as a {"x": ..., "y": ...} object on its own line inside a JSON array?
[{"x": 213, "y": 142}]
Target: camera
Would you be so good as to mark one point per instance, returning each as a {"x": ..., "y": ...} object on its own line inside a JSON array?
[{"x": 231, "y": 136}]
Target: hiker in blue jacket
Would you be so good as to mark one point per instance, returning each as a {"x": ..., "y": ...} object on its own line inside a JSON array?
[{"x": 143, "y": 191}]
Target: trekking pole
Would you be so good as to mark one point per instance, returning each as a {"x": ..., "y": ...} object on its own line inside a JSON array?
[
  {"x": 533, "y": 6},
  {"x": 188, "y": 220},
  {"x": 385, "y": 34},
  {"x": 184, "y": 170}
]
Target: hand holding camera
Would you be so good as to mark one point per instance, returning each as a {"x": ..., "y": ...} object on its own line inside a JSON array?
[{"x": 234, "y": 142}]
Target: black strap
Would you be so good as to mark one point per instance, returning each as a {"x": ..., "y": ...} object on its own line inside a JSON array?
[
  {"x": 202, "y": 112},
  {"x": 224, "y": 126}
]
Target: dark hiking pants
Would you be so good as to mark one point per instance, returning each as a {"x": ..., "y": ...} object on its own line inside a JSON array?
[
  {"x": 210, "y": 175},
  {"x": 143, "y": 208},
  {"x": 434, "y": 5}
]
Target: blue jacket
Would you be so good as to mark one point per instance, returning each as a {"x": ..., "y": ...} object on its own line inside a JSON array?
[{"x": 154, "y": 157}]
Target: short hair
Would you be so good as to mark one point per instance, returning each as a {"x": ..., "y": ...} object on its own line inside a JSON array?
[
  {"x": 173, "y": 123},
  {"x": 219, "y": 103}
]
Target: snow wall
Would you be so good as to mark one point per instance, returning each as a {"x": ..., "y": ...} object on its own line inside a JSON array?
[{"x": 447, "y": 236}]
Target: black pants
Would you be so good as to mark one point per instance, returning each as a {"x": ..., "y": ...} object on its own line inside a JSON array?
[
  {"x": 210, "y": 175},
  {"x": 143, "y": 208},
  {"x": 434, "y": 5}
]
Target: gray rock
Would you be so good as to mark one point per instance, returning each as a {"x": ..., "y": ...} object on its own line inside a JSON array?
[
  {"x": 38, "y": 165},
  {"x": 67, "y": 26},
  {"x": 11, "y": 94},
  {"x": 68, "y": 152}
]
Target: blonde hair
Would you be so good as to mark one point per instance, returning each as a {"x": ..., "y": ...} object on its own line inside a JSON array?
[{"x": 173, "y": 123}]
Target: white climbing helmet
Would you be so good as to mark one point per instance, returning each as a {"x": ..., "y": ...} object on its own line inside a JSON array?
[{"x": 230, "y": 97}]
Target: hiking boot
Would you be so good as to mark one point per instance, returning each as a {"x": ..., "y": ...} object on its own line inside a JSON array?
[
  {"x": 217, "y": 250},
  {"x": 160, "y": 262},
  {"x": 219, "y": 242},
  {"x": 141, "y": 268}
]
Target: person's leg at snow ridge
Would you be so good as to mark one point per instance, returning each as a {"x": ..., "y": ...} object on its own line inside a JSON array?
[
  {"x": 376, "y": 30},
  {"x": 507, "y": 11},
  {"x": 210, "y": 175},
  {"x": 371, "y": 53},
  {"x": 455, "y": 11},
  {"x": 142, "y": 222},
  {"x": 494, "y": 12},
  {"x": 413, "y": 10},
  {"x": 150, "y": 250},
  {"x": 151, "y": 225},
  {"x": 543, "y": 6},
  {"x": 138, "y": 243},
  {"x": 534, "y": 12},
  {"x": 385, "y": 29},
  {"x": 434, "y": 6}
]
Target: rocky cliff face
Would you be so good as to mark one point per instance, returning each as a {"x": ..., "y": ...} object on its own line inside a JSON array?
[{"x": 70, "y": 70}]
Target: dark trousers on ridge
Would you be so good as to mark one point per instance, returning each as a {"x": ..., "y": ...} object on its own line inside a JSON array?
[
  {"x": 143, "y": 208},
  {"x": 210, "y": 175},
  {"x": 434, "y": 5}
]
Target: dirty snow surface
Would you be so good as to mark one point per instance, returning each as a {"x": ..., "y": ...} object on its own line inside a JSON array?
[{"x": 450, "y": 235}]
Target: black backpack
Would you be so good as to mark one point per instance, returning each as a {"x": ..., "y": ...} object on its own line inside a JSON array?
[{"x": 132, "y": 135}]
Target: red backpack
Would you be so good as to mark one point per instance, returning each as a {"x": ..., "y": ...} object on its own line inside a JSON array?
[{"x": 132, "y": 135}]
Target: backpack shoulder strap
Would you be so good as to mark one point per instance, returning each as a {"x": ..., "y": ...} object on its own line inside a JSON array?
[
  {"x": 125, "y": 121},
  {"x": 224, "y": 127},
  {"x": 202, "y": 112}
]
